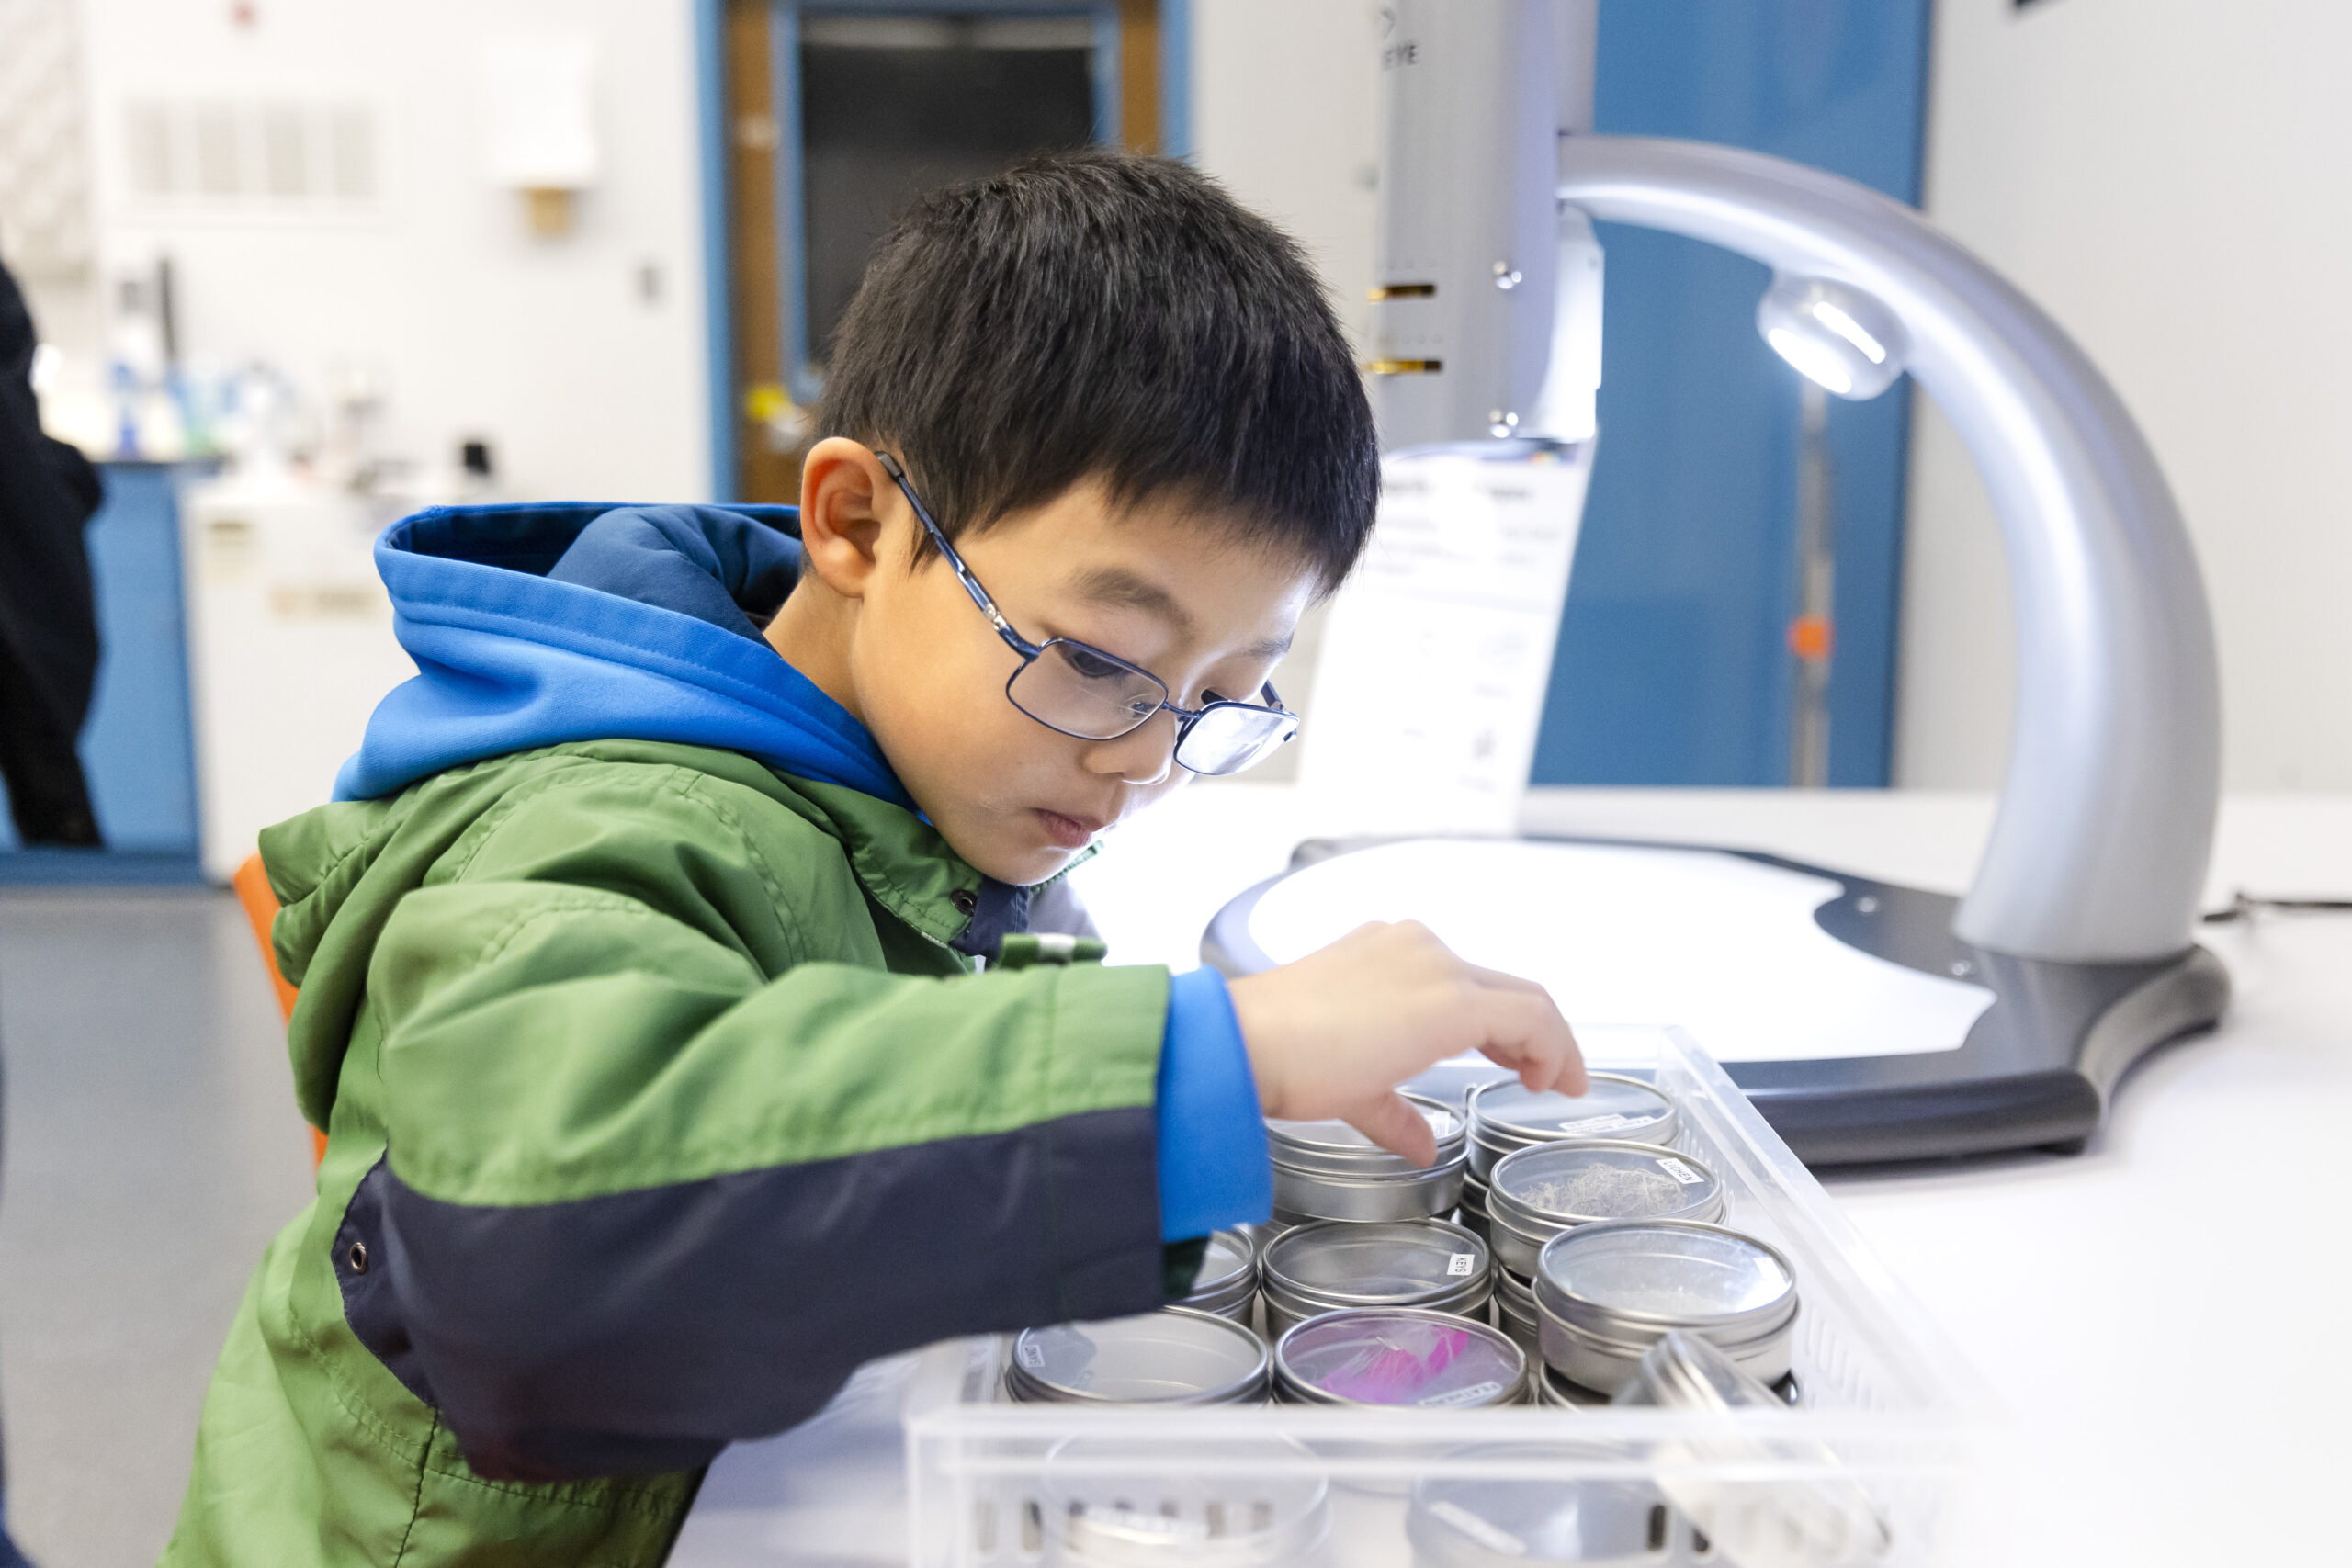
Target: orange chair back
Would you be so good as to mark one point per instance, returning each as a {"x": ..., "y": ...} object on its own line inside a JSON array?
[{"x": 252, "y": 883}]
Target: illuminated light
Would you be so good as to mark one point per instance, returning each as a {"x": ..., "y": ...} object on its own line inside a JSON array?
[
  {"x": 1845, "y": 326},
  {"x": 1834, "y": 333},
  {"x": 1811, "y": 359}
]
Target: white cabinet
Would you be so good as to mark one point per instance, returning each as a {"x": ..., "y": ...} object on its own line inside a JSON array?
[{"x": 290, "y": 647}]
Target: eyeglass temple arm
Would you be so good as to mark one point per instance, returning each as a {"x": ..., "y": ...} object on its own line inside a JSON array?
[{"x": 1018, "y": 643}]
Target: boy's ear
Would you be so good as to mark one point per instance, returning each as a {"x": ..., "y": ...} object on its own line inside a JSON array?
[{"x": 843, "y": 494}]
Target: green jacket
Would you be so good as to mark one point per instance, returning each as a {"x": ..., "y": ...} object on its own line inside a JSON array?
[{"x": 627, "y": 1157}]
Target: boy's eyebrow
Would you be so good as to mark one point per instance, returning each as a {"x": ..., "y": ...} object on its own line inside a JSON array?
[{"x": 1117, "y": 585}]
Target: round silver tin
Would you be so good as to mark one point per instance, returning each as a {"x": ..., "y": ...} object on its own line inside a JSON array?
[
  {"x": 1472, "y": 1216},
  {"x": 1515, "y": 1312},
  {"x": 1229, "y": 1277},
  {"x": 1538, "y": 1192},
  {"x": 1323, "y": 1266},
  {"x": 1504, "y": 1116},
  {"x": 1117, "y": 1502},
  {"x": 1606, "y": 1291},
  {"x": 1557, "y": 1393},
  {"x": 1172, "y": 1357},
  {"x": 1328, "y": 1171},
  {"x": 1480, "y": 1521},
  {"x": 1398, "y": 1357}
]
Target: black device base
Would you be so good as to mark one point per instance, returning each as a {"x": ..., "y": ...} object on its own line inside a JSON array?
[{"x": 2036, "y": 1070}]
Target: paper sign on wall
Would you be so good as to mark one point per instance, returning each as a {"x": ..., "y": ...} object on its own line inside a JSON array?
[{"x": 1438, "y": 652}]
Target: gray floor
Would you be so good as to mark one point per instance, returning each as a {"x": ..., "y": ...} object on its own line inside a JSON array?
[{"x": 152, "y": 1149}]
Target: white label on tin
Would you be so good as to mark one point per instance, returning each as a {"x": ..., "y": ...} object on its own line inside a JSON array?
[
  {"x": 1680, "y": 1172},
  {"x": 1157, "y": 1528},
  {"x": 1032, "y": 1354},
  {"x": 1613, "y": 1122},
  {"x": 1461, "y": 1263},
  {"x": 1474, "y": 1393},
  {"x": 1486, "y": 1534}
]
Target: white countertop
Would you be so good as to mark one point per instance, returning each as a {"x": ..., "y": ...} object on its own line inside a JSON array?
[{"x": 2107, "y": 1299}]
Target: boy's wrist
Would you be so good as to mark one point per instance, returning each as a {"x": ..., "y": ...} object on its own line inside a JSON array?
[{"x": 1252, "y": 1016}]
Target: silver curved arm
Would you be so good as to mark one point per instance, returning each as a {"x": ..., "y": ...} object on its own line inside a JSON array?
[{"x": 2105, "y": 819}]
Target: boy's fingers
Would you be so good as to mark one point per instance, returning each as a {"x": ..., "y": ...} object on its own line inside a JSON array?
[
  {"x": 1526, "y": 1034},
  {"x": 1398, "y": 1126}
]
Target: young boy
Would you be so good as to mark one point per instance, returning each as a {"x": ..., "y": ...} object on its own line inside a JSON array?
[{"x": 636, "y": 957}]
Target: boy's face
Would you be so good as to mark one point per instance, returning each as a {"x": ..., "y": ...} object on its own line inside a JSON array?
[{"x": 1161, "y": 585}]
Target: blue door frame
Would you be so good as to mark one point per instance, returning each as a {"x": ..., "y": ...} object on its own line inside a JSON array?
[{"x": 1673, "y": 665}]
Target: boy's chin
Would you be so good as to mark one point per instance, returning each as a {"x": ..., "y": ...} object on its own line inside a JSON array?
[
  {"x": 1026, "y": 868},
  {"x": 1007, "y": 860}
]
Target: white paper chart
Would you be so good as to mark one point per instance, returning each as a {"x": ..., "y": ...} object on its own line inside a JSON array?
[{"x": 1439, "y": 650}]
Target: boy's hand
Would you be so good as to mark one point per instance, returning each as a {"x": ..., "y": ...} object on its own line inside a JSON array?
[{"x": 1335, "y": 1032}]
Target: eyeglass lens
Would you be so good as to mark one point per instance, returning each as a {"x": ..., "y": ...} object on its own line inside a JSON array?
[
  {"x": 1225, "y": 740},
  {"x": 1080, "y": 693},
  {"x": 1083, "y": 694}
]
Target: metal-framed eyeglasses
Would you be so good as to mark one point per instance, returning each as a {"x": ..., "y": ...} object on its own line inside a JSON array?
[{"x": 1081, "y": 690}]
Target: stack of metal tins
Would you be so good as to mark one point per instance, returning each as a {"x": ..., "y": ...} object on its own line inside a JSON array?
[
  {"x": 1545, "y": 1189},
  {"x": 1359, "y": 1243},
  {"x": 1328, "y": 1171},
  {"x": 1329, "y": 1265},
  {"x": 1605, "y": 1292},
  {"x": 1505, "y": 1118},
  {"x": 1172, "y": 1357},
  {"x": 1227, "y": 1282}
]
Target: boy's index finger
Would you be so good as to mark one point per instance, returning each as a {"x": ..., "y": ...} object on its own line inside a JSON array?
[{"x": 1398, "y": 1126}]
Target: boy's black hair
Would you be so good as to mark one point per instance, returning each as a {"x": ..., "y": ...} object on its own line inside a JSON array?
[{"x": 1098, "y": 314}]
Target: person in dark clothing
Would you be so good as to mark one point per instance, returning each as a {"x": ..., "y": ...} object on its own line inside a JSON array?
[{"x": 49, "y": 624}]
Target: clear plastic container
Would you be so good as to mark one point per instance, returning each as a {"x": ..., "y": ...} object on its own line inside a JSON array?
[{"x": 1887, "y": 1408}]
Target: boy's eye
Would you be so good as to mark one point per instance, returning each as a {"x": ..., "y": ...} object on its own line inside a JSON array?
[{"x": 1092, "y": 665}]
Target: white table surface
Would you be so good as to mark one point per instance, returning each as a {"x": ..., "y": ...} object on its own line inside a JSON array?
[{"x": 2162, "y": 1318}]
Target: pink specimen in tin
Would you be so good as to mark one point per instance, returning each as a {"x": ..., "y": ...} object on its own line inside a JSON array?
[{"x": 1390, "y": 1373}]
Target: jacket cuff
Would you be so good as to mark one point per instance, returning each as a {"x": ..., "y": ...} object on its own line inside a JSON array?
[{"x": 1213, "y": 1169}]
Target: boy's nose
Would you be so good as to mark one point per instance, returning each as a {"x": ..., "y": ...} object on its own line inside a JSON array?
[{"x": 1142, "y": 756}]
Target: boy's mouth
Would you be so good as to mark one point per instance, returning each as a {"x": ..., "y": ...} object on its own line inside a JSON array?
[{"x": 1070, "y": 832}]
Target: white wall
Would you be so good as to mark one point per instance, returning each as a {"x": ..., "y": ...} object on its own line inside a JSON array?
[
  {"x": 1286, "y": 112},
  {"x": 544, "y": 346},
  {"x": 2168, "y": 178}
]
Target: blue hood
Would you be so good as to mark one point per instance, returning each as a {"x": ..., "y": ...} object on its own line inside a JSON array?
[{"x": 535, "y": 625}]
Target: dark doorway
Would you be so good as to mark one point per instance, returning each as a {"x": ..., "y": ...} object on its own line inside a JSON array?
[{"x": 892, "y": 107}]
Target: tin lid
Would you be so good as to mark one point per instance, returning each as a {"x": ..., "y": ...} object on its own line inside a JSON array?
[
  {"x": 1169, "y": 1357},
  {"x": 1553, "y": 1388},
  {"x": 1546, "y": 1186},
  {"x": 1228, "y": 1270},
  {"x": 1685, "y": 1371},
  {"x": 1334, "y": 1148},
  {"x": 1526, "y": 1521},
  {"x": 1399, "y": 1358},
  {"x": 1512, "y": 1286},
  {"x": 1116, "y": 1502},
  {"x": 1646, "y": 1276},
  {"x": 1828, "y": 1520},
  {"x": 1336, "y": 1263},
  {"x": 1507, "y": 1116}
]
